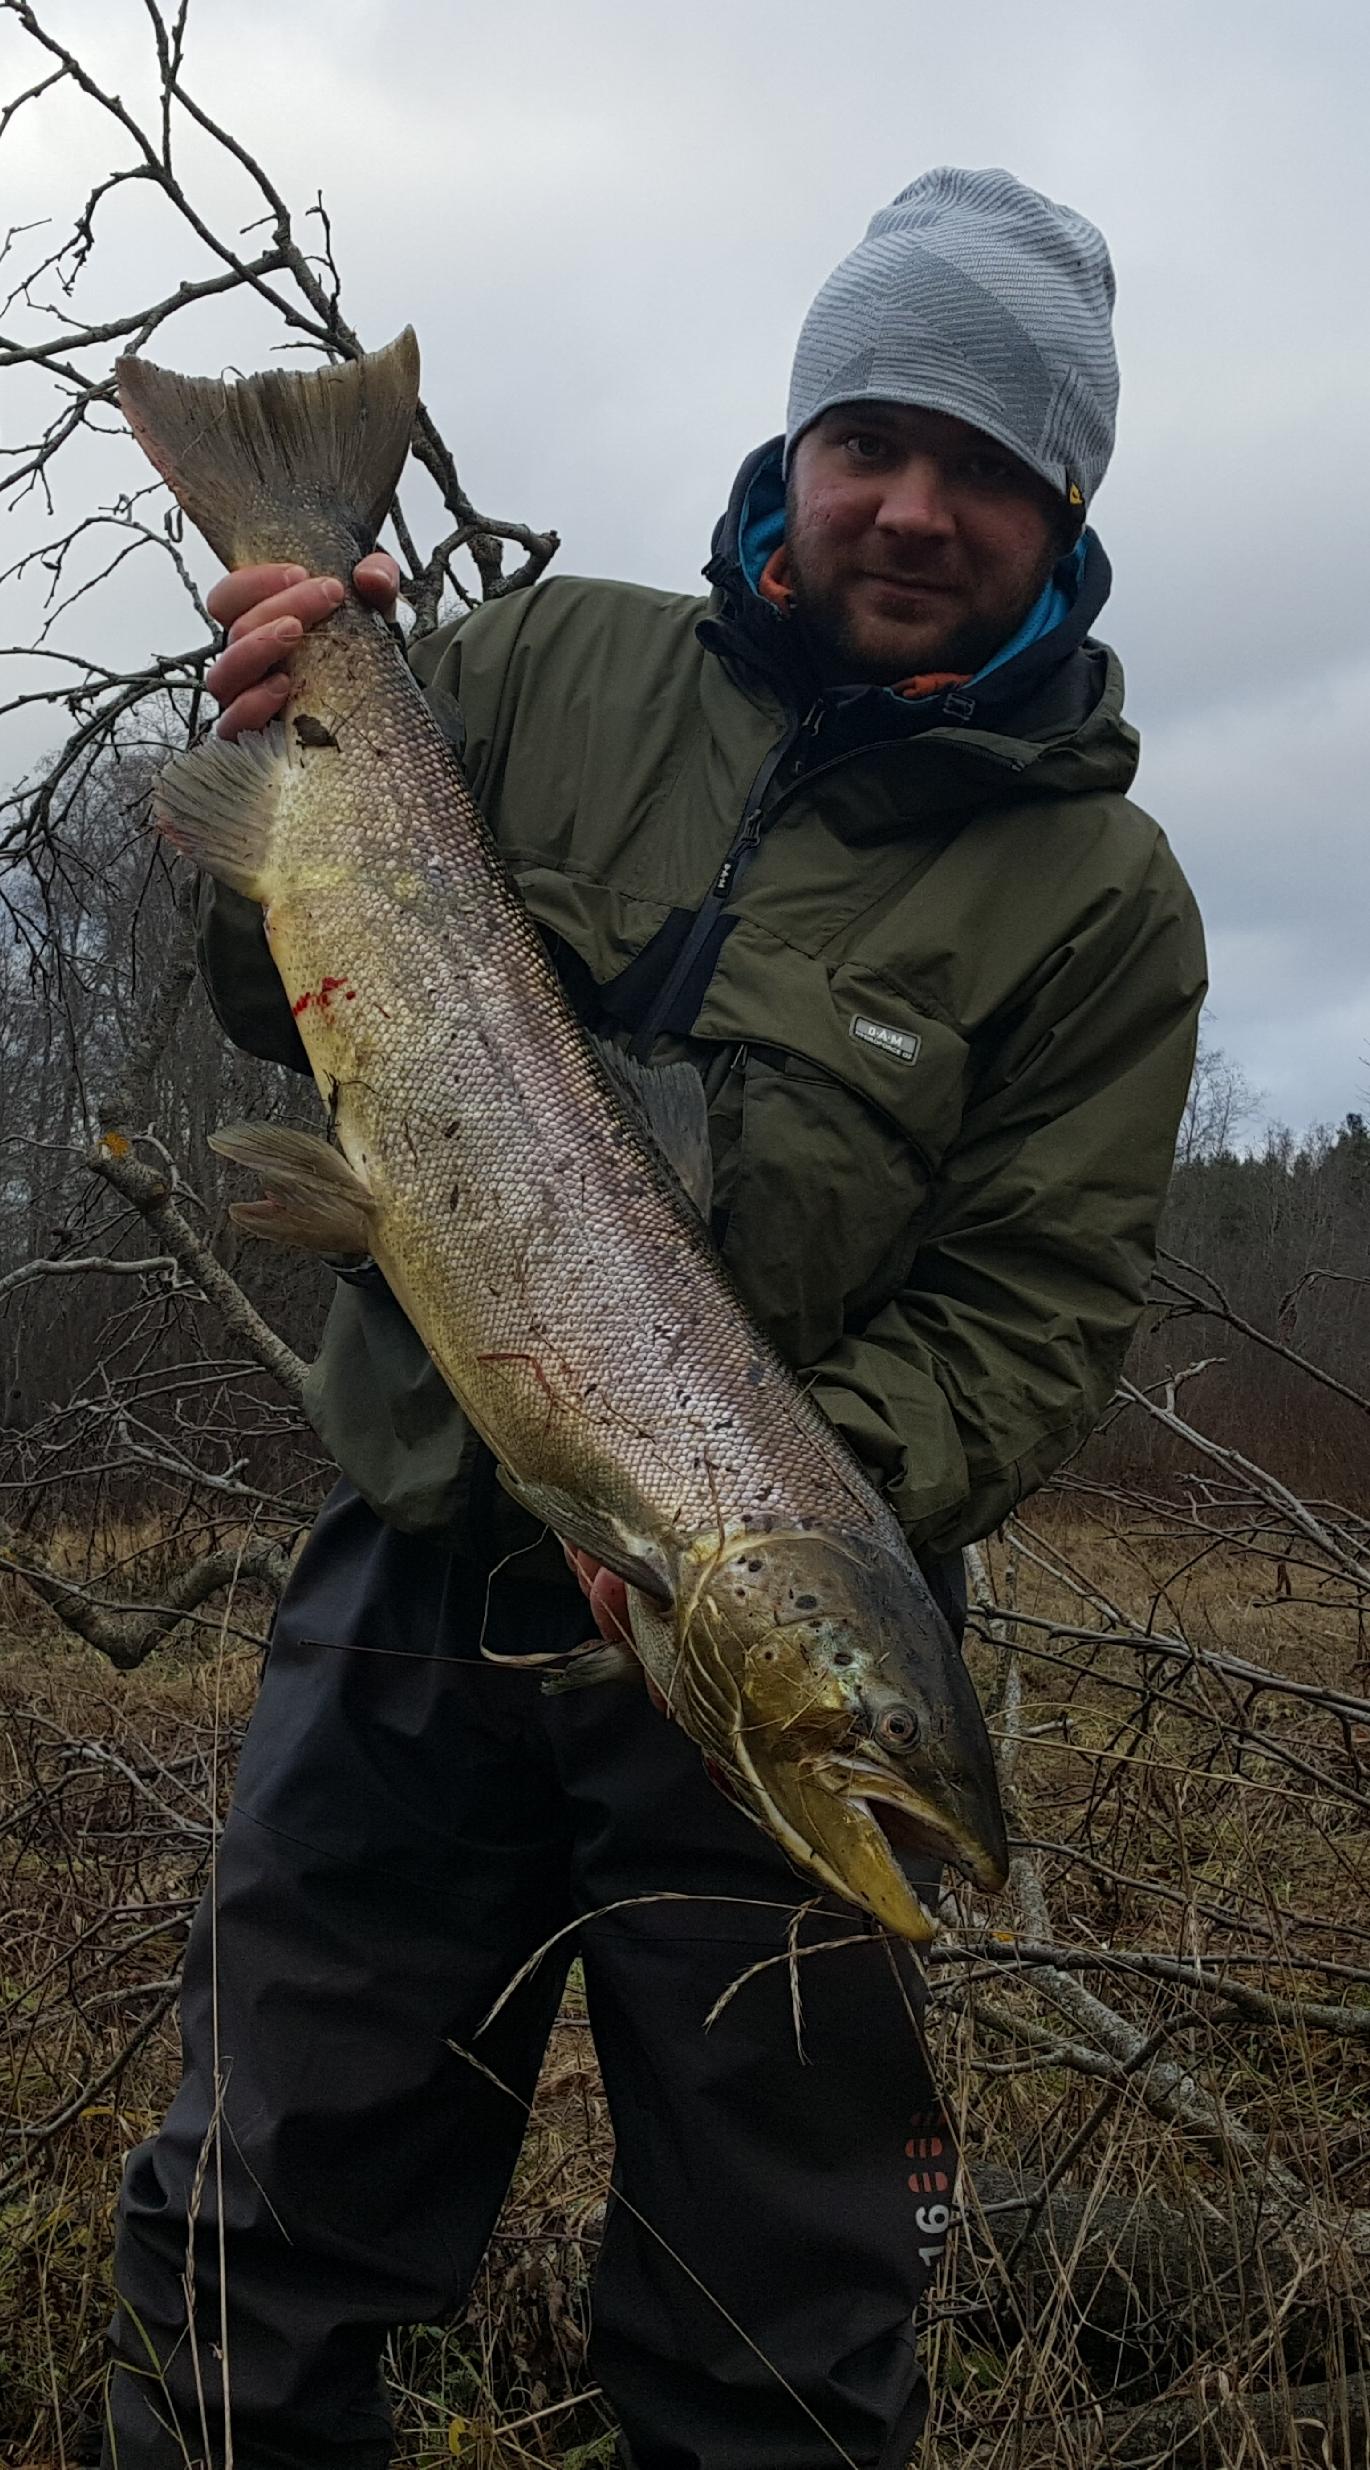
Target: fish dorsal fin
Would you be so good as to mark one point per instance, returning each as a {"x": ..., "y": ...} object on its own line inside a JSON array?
[{"x": 667, "y": 1102}]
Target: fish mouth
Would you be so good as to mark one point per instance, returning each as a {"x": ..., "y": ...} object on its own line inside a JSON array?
[
  {"x": 914, "y": 1826},
  {"x": 832, "y": 1833}
]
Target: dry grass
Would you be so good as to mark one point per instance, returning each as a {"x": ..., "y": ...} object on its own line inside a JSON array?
[{"x": 1192, "y": 2287}]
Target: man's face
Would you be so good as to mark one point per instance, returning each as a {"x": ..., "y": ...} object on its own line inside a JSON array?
[{"x": 915, "y": 542}]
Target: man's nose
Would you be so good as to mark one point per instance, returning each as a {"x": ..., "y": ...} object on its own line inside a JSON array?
[{"x": 916, "y": 500}]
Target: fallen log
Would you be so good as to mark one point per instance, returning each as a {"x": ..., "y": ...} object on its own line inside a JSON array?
[
  {"x": 1327, "y": 2424},
  {"x": 1149, "y": 2287}
]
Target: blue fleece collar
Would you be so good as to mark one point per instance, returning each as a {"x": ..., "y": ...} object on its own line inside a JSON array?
[
  {"x": 761, "y": 529},
  {"x": 761, "y": 524}
]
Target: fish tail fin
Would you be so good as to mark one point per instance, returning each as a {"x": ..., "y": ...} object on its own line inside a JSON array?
[{"x": 292, "y": 463}]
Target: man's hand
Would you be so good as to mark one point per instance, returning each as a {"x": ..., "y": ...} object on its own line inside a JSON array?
[
  {"x": 606, "y": 1595},
  {"x": 265, "y": 611}
]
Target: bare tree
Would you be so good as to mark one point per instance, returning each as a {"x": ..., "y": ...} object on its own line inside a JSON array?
[
  {"x": 1220, "y": 1102},
  {"x": 111, "y": 1073}
]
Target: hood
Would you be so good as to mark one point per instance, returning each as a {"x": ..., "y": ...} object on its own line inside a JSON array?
[{"x": 1048, "y": 704}]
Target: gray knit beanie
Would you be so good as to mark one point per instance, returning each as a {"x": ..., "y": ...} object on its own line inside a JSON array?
[{"x": 973, "y": 295}]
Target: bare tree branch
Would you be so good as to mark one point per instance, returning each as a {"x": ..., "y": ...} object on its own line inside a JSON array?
[{"x": 127, "y": 1633}]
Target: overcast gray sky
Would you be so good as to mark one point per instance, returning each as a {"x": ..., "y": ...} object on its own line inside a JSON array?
[{"x": 606, "y": 218}]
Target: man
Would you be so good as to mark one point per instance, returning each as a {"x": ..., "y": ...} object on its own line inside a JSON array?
[{"x": 853, "y": 836}]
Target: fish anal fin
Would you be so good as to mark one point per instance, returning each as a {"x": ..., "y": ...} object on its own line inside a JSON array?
[
  {"x": 667, "y": 1101},
  {"x": 217, "y": 804},
  {"x": 314, "y": 1199}
]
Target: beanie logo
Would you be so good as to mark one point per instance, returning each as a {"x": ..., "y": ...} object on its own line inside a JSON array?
[
  {"x": 1073, "y": 496},
  {"x": 904, "y": 1045}
]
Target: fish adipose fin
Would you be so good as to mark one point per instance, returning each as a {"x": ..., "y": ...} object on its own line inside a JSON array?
[
  {"x": 667, "y": 1101},
  {"x": 313, "y": 1197},
  {"x": 293, "y": 463},
  {"x": 217, "y": 805}
]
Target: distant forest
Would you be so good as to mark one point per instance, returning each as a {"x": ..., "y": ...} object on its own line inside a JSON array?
[{"x": 1265, "y": 1259}]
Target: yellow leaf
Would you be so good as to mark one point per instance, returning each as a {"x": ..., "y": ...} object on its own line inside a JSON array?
[
  {"x": 116, "y": 1144},
  {"x": 457, "y": 2433}
]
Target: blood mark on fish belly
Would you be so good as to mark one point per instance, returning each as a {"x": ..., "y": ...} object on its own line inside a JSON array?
[{"x": 321, "y": 996}]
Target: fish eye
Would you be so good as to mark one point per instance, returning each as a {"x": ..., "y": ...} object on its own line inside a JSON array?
[
  {"x": 843, "y": 1656},
  {"x": 897, "y": 1728}
]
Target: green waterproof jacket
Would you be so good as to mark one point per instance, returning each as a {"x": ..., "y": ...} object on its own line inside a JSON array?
[{"x": 943, "y": 992}]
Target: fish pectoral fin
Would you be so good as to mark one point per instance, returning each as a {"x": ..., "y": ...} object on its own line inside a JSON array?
[
  {"x": 667, "y": 1102},
  {"x": 575, "y": 1522},
  {"x": 590, "y": 1666},
  {"x": 313, "y": 1197},
  {"x": 218, "y": 806}
]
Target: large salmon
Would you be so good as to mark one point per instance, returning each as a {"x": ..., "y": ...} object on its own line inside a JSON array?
[{"x": 527, "y": 1223}]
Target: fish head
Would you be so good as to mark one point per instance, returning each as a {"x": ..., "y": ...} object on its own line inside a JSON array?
[{"x": 841, "y": 1709}]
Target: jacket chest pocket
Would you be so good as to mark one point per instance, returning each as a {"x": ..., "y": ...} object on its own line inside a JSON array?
[{"x": 827, "y": 1161}]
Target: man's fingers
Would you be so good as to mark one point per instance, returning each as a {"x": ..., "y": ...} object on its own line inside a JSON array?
[
  {"x": 257, "y": 708},
  {"x": 263, "y": 637},
  {"x": 609, "y": 1604},
  {"x": 246, "y": 662},
  {"x": 606, "y": 1594},
  {"x": 376, "y": 580},
  {"x": 266, "y": 610},
  {"x": 256, "y": 594},
  {"x": 308, "y": 603},
  {"x": 235, "y": 593}
]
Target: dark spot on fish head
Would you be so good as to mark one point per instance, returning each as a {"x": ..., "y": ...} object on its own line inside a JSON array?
[
  {"x": 311, "y": 731},
  {"x": 806, "y": 1603}
]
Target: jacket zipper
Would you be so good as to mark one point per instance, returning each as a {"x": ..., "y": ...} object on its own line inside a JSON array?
[{"x": 746, "y": 841}]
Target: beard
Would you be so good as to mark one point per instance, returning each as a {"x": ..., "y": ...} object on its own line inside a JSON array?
[
  {"x": 848, "y": 646},
  {"x": 846, "y": 649},
  {"x": 843, "y": 652}
]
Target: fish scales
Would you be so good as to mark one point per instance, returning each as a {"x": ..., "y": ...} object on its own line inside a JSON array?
[
  {"x": 465, "y": 1093},
  {"x": 533, "y": 1234}
]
